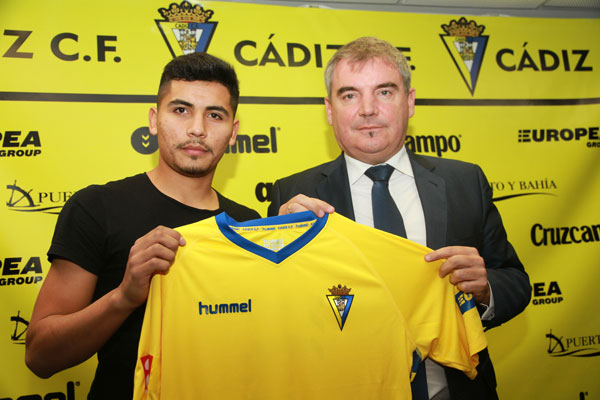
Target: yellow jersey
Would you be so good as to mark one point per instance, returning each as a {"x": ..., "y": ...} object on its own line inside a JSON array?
[{"x": 299, "y": 307}]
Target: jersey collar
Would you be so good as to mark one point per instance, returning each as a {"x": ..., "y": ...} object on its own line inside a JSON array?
[{"x": 227, "y": 224}]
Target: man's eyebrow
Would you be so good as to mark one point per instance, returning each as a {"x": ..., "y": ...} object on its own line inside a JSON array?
[
  {"x": 387, "y": 85},
  {"x": 218, "y": 108},
  {"x": 345, "y": 89},
  {"x": 180, "y": 102}
]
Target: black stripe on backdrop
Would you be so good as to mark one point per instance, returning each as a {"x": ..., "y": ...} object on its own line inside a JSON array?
[{"x": 135, "y": 98}]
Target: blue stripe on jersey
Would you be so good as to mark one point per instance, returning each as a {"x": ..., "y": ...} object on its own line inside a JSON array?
[
  {"x": 465, "y": 301},
  {"x": 225, "y": 222}
]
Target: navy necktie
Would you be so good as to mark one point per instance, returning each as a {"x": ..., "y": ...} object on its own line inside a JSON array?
[
  {"x": 387, "y": 218},
  {"x": 385, "y": 213}
]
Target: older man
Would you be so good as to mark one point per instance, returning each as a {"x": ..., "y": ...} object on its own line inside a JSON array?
[{"x": 443, "y": 204}]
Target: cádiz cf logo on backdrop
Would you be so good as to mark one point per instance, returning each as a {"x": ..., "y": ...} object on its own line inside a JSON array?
[
  {"x": 186, "y": 28},
  {"x": 466, "y": 45}
]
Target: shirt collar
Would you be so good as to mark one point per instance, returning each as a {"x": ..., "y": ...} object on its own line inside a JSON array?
[{"x": 400, "y": 162}]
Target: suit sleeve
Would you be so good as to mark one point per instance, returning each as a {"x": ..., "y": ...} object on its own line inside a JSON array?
[
  {"x": 506, "y": 274},
  {"x": 275, "y": 200}
]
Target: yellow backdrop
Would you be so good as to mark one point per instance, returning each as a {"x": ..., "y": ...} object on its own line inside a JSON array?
[{"x": 519, "y": 96}]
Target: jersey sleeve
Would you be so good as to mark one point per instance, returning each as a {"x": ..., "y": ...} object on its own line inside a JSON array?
[
  {"x": 469, "y": 340},
  {"x": 147, "y": 376},
  {"x": 443, "y": 320}
]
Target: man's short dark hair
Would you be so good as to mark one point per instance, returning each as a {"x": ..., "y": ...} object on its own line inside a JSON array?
[{"x": 201, "y": 67}]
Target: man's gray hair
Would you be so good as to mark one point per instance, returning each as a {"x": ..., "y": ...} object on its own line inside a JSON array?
[{"x": 365, "y": 49}]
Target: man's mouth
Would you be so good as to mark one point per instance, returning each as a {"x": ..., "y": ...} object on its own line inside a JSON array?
[
  {"x": 371, "y": 130},
  {"x": 370, "y": 127},
  {"x": 194, "y": 149}
]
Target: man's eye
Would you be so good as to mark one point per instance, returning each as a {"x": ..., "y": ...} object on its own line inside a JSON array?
[
  {"x": 179, "y": 110},
  {"x": 349, "y": 96},
  {"x": 215, "y": 116}
]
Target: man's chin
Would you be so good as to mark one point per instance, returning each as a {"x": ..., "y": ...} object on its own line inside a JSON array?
[
  {"x": 194, "y": 172},
  {"x": 374, "y": 155}
]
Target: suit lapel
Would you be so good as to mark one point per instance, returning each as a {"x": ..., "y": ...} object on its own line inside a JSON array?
[
  {"x": 432, "y": 192},
  {"x": 334, "y": 188}
]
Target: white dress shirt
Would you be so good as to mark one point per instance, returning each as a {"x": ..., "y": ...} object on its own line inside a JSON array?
[{"x": 402, "y": 188}]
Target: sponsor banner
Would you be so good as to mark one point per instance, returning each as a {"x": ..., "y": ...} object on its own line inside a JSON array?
[
  {"x": 546, "y": 293},
  {"x": 452, "y": 57},
  {"x": 518, "y": 96}
]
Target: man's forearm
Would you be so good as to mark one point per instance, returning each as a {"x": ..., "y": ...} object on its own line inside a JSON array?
[{"x": 57, "y": 342}]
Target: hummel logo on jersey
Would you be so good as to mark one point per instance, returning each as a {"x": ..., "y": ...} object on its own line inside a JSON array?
[{"x": 225, "y": 308}]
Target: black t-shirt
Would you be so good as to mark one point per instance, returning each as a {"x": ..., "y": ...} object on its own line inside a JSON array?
[{"x": 96, "y": 230}]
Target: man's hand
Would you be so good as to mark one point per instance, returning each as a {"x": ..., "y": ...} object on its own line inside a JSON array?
[
  {"x": 151, "y": 254},
  {"x": 301, "y": 202},
  {"x": 466, "y": 269}
]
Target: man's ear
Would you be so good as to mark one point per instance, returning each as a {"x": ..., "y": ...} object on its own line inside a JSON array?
[
  {"x": 152, "y": 120},
  {"x": 328, "y": 109},
  {"x": 236, "y": 125},
  {"x": 411, "y": 102}
]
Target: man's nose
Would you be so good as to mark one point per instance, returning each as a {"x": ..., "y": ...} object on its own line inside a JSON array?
[
  {"x": 196, "y": 126},
  {"x": 368, "y": 106}
]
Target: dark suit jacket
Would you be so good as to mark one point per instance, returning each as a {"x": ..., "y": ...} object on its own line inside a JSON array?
[{"x": 458, "y": 208}]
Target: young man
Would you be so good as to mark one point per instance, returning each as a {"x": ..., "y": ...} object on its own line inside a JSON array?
[
  {"x": 444, "y": 204},
  {"x": 111, "y": 239}
]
